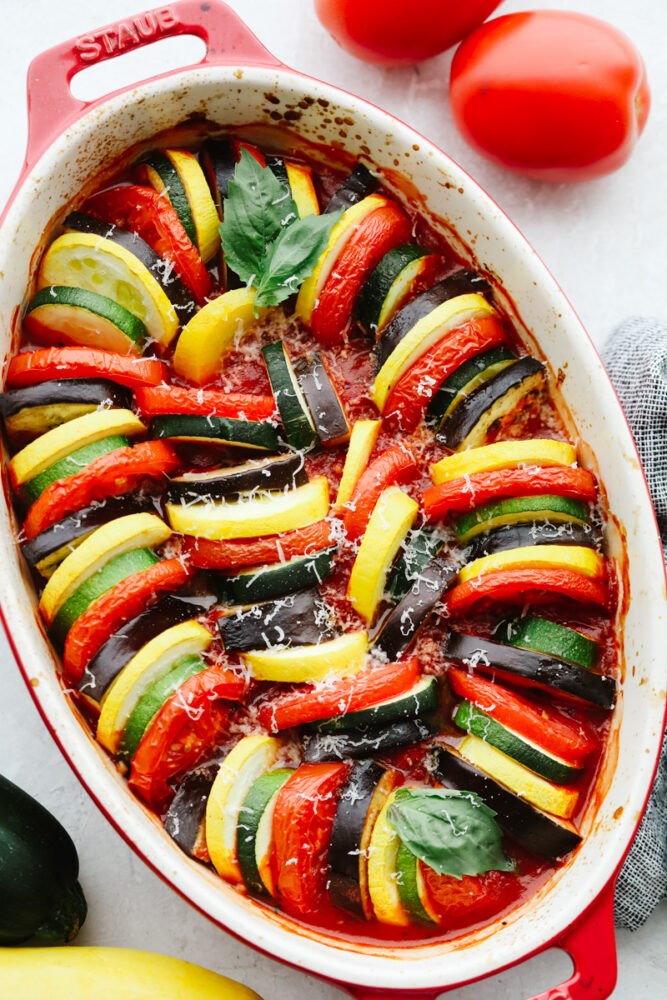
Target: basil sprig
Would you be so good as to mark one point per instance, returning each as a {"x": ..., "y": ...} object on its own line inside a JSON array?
[
  {"x": 452, "y": 832},
  {"x": 263, "y": 239}
]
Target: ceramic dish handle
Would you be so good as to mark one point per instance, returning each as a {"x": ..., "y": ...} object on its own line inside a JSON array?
[
  {"x": 51, "y": 104},
  {"x": 590, "y": 944}
]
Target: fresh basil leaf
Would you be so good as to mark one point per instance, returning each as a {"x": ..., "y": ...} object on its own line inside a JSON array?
[
  {"x": 452, "y": 832},
  {"x": 256, "y": 210},
  {"x": 293, "y": 256}
]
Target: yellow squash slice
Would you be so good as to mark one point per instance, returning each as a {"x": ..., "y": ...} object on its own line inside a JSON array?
[
  {"x": 249, "y": 759},
  {"x": 424, "y": 334},
  {"x": 392, "y": 518},
  {"x": 135, "y": 531},
  {"x": 253, "y": 515},
  {"x": 83, "y": 260},
  {"x": 61, "y": 441},
  {"x": 578, "y": 558},
  {"x": 362, "y": 441},
  {"x": 310, "y": 664},
  {"x": 150, "y": 664},
  {"x": 503, "y": 455},
  {"x": 303, "y": 191},
  {"x": 538, "y": 791},
  {"x": 213, "y": 332},
  {"x": 382, "y": 885}
]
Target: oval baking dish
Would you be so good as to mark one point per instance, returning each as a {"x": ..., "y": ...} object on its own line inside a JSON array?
[{"x": 241, "y": 86}]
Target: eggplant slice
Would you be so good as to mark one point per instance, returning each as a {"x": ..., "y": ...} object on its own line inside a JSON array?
[
  {"x": 300, "y": 619},
  {"x": 265, "y": 474}
]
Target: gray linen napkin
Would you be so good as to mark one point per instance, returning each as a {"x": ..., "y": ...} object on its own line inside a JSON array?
[{"x": 636, "y": 358}]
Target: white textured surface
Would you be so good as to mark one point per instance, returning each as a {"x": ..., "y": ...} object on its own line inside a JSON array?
[{"x": 604, "y": 242}]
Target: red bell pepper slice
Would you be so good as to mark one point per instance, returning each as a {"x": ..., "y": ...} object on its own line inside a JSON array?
[
  {"x": 302, "y": 824},
  {"x": 115, "y": 608},
  {"x": 479, "y": 488},
  {"x": 238, "y": 145},
  {"x": 235, "y": 552},
  {"x": 165, "y": 399},
  {"x": 83, "y": 362},
  {"x": 187, "y": 728},
  {"x": 347, "y": 694},
  {"x": 539, "y": 723},
  {"x": 525, "y": 586},
  {"x": 411, "y": 395},
  {"x": 150, "y": 215},
  {"x": 396, "y": 465},
  {"x": 458, "y": 902},
  {"x": 382, "y": 230},
  {"x": 118, "y": 472}
]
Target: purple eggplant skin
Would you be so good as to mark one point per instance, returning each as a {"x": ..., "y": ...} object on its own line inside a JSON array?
[
  {"x": 529, "y": 827},
  {"x": 544, "y": 671},
  {"x": 515, "y": 536},
  {"x": 365, "y": 743},
  {"x": 401, "y": 627},
  {"x": 346, "y": 834},
  {"x": 119, "y": 648},
  {"x": 457, "y": 426},
  {"x": 323, "y": 401},
  {"x": 299, "y": 619},
  {"x": 217, "y": 159},
  {"x": 269, "y": 474},
  {"x": 188, "y": 807},
  {"x": 40, "y": 895},
  {"x": 100, "y": 392},
  {"x": 357, "y": 186},
  {"x": 461, "y": 282}
]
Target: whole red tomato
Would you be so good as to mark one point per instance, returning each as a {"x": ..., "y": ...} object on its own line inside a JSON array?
[
  {"x": 391, "y": 33},
  {"x": 550, "y": 94}
]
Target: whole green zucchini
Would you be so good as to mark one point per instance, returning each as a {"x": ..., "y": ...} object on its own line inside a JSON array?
[{"x": 39, "y": 868}]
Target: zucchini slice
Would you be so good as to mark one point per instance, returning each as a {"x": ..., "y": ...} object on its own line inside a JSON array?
[
  {"x": 382, "y": 881},
  {"x": 420, "y": 700},
  {"x": 558, "y": 801},
  {"x": 550, "y": 638},
  {"x": 411, "y": 614},
  {"x": 35, "y": 409},
  {"x": 363, "y": 796},
  {"x": 518, "y": 510},
  {"x": 388, "y": 285},
  {"x": 124, "y": 644},
  {"x": 520, "y": 749},
  {"x": 251, "y": 516},
  {"x": 221, "y": 430},
  {"x": 258, "y": 474},
  {"x": 136, "y": 531},
  {"x": 300, "y": 619},
  {"x": 466, "y": 378},
  {"x": 514, "y": 536},
  {"x": 53, "y": 544},
  {"x": 184, "y": 821},
  {"x": 362, "y": 441},
  {"x": 250, "y": 758},
  {"x": 423, "y": 545},
  {"x": 161, "y": 174},
  {"x": 298, "y": 424},
  {"x": 503, "y": 455},
  {"x": 364, "y": 743},
  {"x": 254, "y": 831},
  {"x": 322, "y": 400},
  {"x": 427, "y": 331},
  {"x": 392, "y": 518},
  {"x": 411, "y": 888},
  {"x": 533, "y": 829},
  {"x": 358, "y": 185},
  {"x": 461, "y": 283},
  {"x": 62, "y": 314},
  {"x": 338, "y": 657},
  {"x": 72, "y": 464},
  {"x": 578, "y": 558},
  {"x": 468, "y": 423},
  {"x": 270, "y": 580},
  {"x": 527, "y": 667}
]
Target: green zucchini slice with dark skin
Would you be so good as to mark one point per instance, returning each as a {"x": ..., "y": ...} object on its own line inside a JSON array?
[
  {"x": 368, "y": 308},
  {"x": 221, "y": 430},
  {"x": 422, "y": 545},
  {"x": 400, "y": 629},
  {"x": 531, "y": 828},
  {"x": 515, "y": 536},
  {"x": 174, "y": 189},
  {"x": 467, "y": 424},
  {"x": 120, "y": 647},
  {"x": 65, "y": 308},
  {"x": 529, "y": 668},
  {"x": 72, "y": 464},
  {"x": 263, "y": 474},
  {"x": 345, "y": 845},
  {"x": 75, "y": 526},
  {"x": 464, "y": 376},
  {"x": 322, "y": 400},
  {"x": 251, "y": 820},
  {"x": 420, "y": 700},
  {"x": 39, "y": 868},
  {"x": 297, "y": 422},
  {"x": 300, "y": 619},
  {"x": 461, "y": 282},
  {"x": 161, "y": 270},
  {"x": 354, "y": 189},
  {"x": 550, "y": 638},
  {"x": 551, "y": 511},
  {"x": 35, "y": 409},
  {"x": 262, "y": 583},
  {"x": 363, "y": 743},
  {"x": 187, "y": 812}
]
